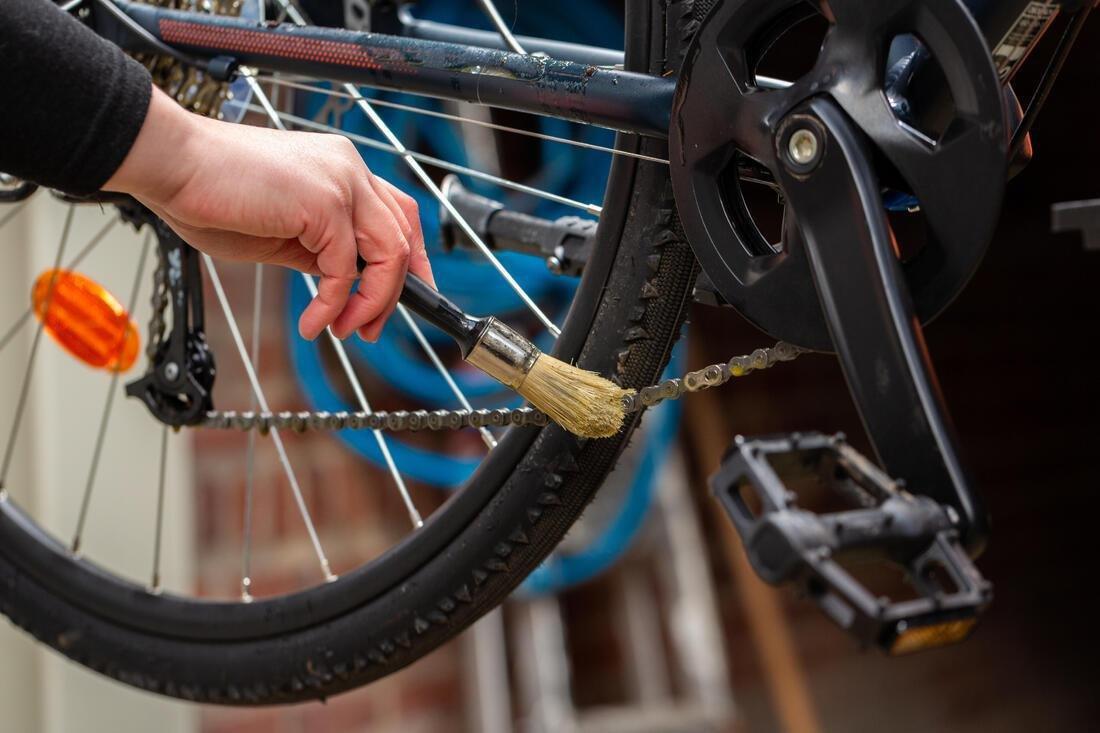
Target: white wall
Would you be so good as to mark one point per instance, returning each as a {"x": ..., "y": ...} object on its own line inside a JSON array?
[{"x": 39, "y": 689}]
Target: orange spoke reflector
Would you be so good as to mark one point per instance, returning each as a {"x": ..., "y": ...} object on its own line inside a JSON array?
[{"x": 86, "y": 320}]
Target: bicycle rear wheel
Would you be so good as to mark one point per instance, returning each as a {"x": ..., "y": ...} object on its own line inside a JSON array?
[{"x": 473, "y": 551}]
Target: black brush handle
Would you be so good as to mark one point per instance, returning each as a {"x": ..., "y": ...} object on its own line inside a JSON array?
[{"x": 436, "y": 309}]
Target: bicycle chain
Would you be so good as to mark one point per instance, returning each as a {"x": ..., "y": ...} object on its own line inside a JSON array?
[
  {"x": 405, "y": 420},
  {"x": 159, "y": 300},
  {"x": 402, "y": 420}
]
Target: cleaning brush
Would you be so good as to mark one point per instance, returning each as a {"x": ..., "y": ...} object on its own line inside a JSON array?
[{"x": 582, "y": 402}]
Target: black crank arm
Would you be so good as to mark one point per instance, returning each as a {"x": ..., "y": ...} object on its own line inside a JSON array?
[{"x": 837, "y": 202}]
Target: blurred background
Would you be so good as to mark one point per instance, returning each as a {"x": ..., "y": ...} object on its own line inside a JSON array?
[{"x": 649, "y": 618}]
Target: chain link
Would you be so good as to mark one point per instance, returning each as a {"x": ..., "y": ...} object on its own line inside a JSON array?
[
  {"x": 159, "y": 300},
  {"x": 403, "y": 420}
]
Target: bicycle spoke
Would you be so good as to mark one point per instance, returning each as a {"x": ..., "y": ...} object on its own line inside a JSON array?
[
  {"x": 92, "y": 244},
  {"x": 105, "y": 417},
  {"x": 155, "y": 585},
  {"x": 341, "y": 353},
  {"x": 502, "y": 28},
  {"x": 15, "y": 328},
  {"x": 250, "y": 452},
  {"x": 349, "y": 371},
  {"x": 293, "y": 12},
  {"x": 24, "y": 391},
  {"x": 286, "y": 117},
  {"x": 486, "y": 436},
  {"x": 257, "y": 391},
  {"x": 422, "y": 174},
  {"x": 12, "y": 214},
  {"x": 364, "y": 405},
  {"x": 460, "y": 220},
  {"x": 283, "y": 81}
]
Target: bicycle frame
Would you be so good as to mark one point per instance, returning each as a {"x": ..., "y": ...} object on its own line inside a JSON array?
[
  {"x": 579, "y": 92},
  {"x": 562, "y": 80}
]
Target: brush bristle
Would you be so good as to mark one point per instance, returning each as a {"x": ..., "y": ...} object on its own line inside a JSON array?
[{"x": 582, "y": 402}]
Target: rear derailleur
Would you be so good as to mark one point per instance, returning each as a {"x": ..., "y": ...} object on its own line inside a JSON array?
[{"x": 178, "y": 384}]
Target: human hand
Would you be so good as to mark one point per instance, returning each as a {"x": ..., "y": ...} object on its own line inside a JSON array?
[{"x": 297, "y": 199}]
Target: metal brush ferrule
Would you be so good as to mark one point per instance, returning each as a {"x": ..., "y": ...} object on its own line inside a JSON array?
[{"x": 504, "y": 354}]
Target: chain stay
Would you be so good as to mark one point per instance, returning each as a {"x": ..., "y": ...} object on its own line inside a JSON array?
[{"x": 402, "y": 420}]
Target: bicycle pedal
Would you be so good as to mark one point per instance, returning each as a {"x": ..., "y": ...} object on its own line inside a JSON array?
[{"x": 789, "y": 544}]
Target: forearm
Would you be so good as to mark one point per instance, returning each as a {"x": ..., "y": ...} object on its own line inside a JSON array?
[
  {"x": 162, "y": 156},
  {"x": 73, "y": 103}
]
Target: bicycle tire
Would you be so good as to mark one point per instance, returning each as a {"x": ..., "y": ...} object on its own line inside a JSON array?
[{"x": 634, "y": 299}]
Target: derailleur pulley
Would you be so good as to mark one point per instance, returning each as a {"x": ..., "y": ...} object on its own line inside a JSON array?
[{"x": 178, "y": 384}]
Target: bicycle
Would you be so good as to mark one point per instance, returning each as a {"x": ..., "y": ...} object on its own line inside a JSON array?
[{"x": 866, "y": 127}]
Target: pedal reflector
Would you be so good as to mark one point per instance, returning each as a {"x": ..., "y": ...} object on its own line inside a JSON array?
[
  {"x": 919, "y": 638},
  {"x": 88, "y": 322}
]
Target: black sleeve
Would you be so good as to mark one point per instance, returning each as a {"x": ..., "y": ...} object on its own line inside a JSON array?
[{"x": 71, "y": 103}]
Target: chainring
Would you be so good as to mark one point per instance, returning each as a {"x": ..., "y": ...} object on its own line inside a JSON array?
[{"x": 721, "y": 113}]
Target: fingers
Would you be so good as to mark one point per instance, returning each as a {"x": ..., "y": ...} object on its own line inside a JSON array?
[
  {"x": 374, "y": 301},
  {"x": 406, "y": 204},
  {"x": 330, "y": 235},
  {"x": 235, "y": 246},
  {"x": 406, "y": 212},
  {"x": 355, "y": 220},
  {"x": 323, "y": 310},
  {"x": 382, "y": 243},
  {"x": 318, "y": 223}
]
